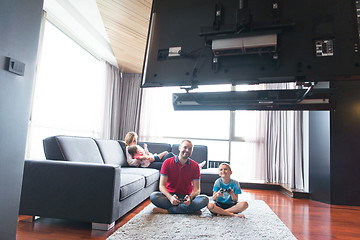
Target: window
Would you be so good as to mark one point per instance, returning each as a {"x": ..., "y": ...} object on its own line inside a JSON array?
[
  {"x": 68, "y": 93},
  {"x": 230, "y": 136}
]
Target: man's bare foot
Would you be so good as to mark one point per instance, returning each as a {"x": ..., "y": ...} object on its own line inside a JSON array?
[
  {"x": 197, "y": 212},
  {"x": 159, "y": 210}
]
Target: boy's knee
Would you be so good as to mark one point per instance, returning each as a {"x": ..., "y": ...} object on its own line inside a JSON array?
[
  {"x": 245, "y": 205},
  {"x": 210, "y": 206}
]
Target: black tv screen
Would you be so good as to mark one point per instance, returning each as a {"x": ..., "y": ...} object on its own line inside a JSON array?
[{"x": 202, "y": 42}]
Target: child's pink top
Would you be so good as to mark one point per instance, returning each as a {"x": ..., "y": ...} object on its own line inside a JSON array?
[{"x": 138, "y": 155}]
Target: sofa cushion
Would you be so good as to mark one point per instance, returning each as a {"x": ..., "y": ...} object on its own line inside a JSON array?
[
  {"x": 209, "y": 175},
  {"x": 151, "y": 175},
  {"x": 199, "y": 154},
  {"x": 78, "y": 149},
  {"x": 130, "y": 184},
  {"x": 208, "y": 178},
  {"x": 111, "y": 152}
]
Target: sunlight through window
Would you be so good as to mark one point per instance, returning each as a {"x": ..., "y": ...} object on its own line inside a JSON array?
[{"x": 68, "y": 93}]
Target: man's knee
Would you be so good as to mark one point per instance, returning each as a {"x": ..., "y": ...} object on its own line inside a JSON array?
[
  {"x": 155, "y": 195},
  {"x": 204, "y": 199},
  {"x": 201, "y": 201}
]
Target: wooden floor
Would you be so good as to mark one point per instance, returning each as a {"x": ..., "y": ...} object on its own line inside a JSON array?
[{"x": 306, "y": 219}]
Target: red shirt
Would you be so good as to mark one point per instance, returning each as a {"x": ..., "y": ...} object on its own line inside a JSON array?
[{"x": 180, "y": 177}]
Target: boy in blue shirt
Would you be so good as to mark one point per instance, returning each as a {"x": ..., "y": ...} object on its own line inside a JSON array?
[{"x": 225, "y": 195}]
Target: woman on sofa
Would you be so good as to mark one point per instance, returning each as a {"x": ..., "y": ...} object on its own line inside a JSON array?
[{"x": 155, "y": 160}]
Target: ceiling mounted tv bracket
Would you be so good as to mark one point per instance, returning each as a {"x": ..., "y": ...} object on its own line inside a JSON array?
[{"x": 260, "y": 44}]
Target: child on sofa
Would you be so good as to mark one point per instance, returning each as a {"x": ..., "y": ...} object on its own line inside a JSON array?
[
  {"x": 225, "y": 195},
  {"x": 136, "y": 153},
  {"x": 147, "y": 158}
]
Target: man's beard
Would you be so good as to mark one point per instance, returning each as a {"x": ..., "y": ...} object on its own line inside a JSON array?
[{"x": 185, "y": 155}]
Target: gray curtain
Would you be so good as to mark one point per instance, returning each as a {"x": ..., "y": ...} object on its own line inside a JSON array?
[{"x": 122, "y": 104}]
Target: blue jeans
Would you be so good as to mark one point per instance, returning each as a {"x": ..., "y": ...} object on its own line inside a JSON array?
[
  {"x": 161, "y": 201},
  {"x": 157, "y": 164}
]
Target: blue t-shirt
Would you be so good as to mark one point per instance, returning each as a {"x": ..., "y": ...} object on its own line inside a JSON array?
[{"x": 226, "y": 198}]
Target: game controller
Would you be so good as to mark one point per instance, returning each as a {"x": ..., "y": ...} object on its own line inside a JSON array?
[
  {"x": 181, "y": 200},
  {"x": 225, "y": 190}
]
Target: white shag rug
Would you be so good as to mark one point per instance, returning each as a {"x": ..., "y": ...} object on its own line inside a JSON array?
[{"x": 260, "y": 223}]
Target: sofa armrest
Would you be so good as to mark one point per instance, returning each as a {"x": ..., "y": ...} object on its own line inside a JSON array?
[{"x": 71, "y": 190}]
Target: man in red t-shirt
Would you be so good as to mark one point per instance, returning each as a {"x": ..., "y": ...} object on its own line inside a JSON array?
[{"x": 179, "y": 184}]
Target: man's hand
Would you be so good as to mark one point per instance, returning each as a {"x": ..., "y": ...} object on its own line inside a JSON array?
[
  {"x": 174, "y": 200},
  {"x": 187, "y": 200}
]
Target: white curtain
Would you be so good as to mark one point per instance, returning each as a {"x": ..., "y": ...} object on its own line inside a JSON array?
[
  {"x": 281, "y": 148},
  {"x": 260, "y": 148},
  {"x": 155, "y": 107},
  {"x": 122, "y": 104}
]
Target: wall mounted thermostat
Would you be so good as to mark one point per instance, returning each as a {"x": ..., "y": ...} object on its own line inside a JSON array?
[{"x": 16, "y": 67}]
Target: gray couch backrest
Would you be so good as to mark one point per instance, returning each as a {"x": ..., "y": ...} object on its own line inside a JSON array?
[
  {"x": 156, "y": 147},
  {"x": 70, "y": 148},
  {"x": 112, "y": 152},
  {"x": 199, "y": 154},
  {"x": 87, "y": 149},
  {"x": 51, "y": 149}
]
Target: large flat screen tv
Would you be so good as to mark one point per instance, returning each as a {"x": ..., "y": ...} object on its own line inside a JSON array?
[{"x": 202, "y": 42}]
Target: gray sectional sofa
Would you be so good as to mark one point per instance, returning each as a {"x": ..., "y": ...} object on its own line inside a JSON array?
[{"x": 89, "y": 180}]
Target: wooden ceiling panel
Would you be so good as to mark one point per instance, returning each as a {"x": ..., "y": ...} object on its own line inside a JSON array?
[{"x": 126, "y": 23}]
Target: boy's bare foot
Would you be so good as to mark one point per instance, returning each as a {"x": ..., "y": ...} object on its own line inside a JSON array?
[
  {"x": 159, "y": 210},
  {"x": 240, "y": 215}
]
